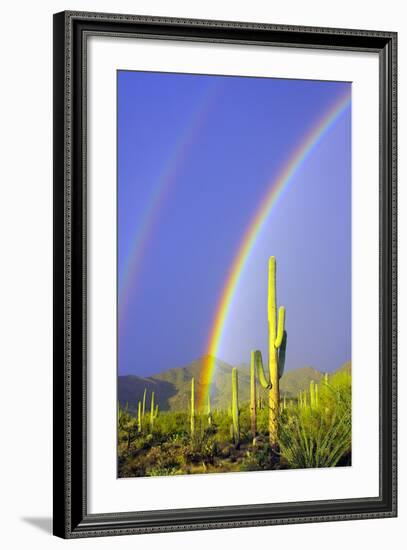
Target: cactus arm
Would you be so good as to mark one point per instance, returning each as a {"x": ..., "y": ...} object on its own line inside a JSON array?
[
  {"x": 280, "y": 328},
  {"x": 281, "y": 355},
  {"x": 260, "y": 371}
]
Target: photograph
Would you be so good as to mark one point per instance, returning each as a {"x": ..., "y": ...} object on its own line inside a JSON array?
[{"x": 234, "y": 273}]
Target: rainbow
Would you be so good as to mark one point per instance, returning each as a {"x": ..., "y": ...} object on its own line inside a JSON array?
[
  {"x": 165, "y": 181},
  {"x": 275, "y": 189}
]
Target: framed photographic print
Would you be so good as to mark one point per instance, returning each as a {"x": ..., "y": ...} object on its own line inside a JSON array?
[{"x": 224, "y": 274}]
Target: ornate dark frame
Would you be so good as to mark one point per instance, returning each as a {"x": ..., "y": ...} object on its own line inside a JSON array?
[{"x": 71, "y": 518}]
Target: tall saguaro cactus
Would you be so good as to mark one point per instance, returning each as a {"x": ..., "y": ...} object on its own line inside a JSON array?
[
  {"x": 235, "y": 407},
  {"x": 277, "y": 346},
  {"x": 192, "y": 407},
  {"x": 253, "y": 404}
]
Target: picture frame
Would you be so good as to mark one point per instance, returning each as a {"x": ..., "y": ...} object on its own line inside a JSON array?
[{"x": 71, "y": 514}]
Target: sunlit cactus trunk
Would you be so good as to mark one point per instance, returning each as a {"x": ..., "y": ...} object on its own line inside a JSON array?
[
  {"x": 143, "y": 412},
  {"x": 209, "y": 411},
  {"x": 312, "y": 394},
  {"x": 192, "y": 419},
  {"x": 276, "y": 335},
  {"x": 253, "y": 408},
  {"x": 139, "y": 418},
  {"x": 235, "y": 407},
  {"x": 152, "y": 411},
  {"x": 277, "y": 345}
]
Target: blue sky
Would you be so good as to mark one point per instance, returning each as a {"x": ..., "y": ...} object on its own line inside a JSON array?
[{"x": 214, "y": 146}]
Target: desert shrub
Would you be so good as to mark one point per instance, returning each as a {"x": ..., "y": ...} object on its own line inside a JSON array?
[
  {"x": 172, "y": 423},
  {"x": 259, "y": 458},
  {"x": 320, "y": 436},
  {"x": 127, "y": 427},
  {"x": 222, "y": 421},
  {"x": 263, "y": 419}
]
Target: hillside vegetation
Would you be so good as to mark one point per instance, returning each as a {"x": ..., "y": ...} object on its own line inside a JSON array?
[{"x": 314, "y": 427}]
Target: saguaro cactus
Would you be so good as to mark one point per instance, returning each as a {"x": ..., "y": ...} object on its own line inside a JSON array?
[
  {"x": 139, "y": 419},
  {"x": 253, "y": 404},
  {"x": 209, "y": 411},
  {"x": 277, "y": 347},
  {"x": 153, "y": 412},
  {"x": 144, "y": 402},
  {"x": 312, "y": 394},
  {"x": 192, "y": 407},
  {"x": 235, "y": 407}
]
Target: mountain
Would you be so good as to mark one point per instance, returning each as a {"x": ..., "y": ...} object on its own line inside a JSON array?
[
  {"x": 297, "y": 380},
  {"x": 172, "y": 388}
]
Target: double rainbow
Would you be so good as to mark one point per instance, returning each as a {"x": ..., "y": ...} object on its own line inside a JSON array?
[
  {"x": 144, "y": 229},
  {"x": 275, "y": 189}
]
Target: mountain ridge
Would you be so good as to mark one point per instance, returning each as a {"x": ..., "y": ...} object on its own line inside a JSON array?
[{"x": 172, "y": 386}]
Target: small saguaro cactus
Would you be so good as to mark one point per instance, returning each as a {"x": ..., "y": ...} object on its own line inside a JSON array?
[
  {"x": 235, "y": 407},
  {"x": 192, "y": 419},
  {"x": 152, "y": 412},
  {"x": 312, "y": 394},
  {"x": 139, "y": 418},
  {"x": 253, "y": 403},
  {"x": 143, "y": 412},
  {"x": 277, "y": 347},
  {"x": 304, "y": 399},
  {"x": 209, "y": 413}
]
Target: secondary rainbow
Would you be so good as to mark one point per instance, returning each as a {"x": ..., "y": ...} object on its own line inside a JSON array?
[
  {"x": 275, "y": 189},
  {"x": 144, "y": 229}
]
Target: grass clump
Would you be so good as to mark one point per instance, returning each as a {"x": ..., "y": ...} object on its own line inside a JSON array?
[{"x": 319, "y": 436}]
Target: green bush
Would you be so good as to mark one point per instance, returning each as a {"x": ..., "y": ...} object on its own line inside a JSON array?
[{"x": 321, "y": 436}]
